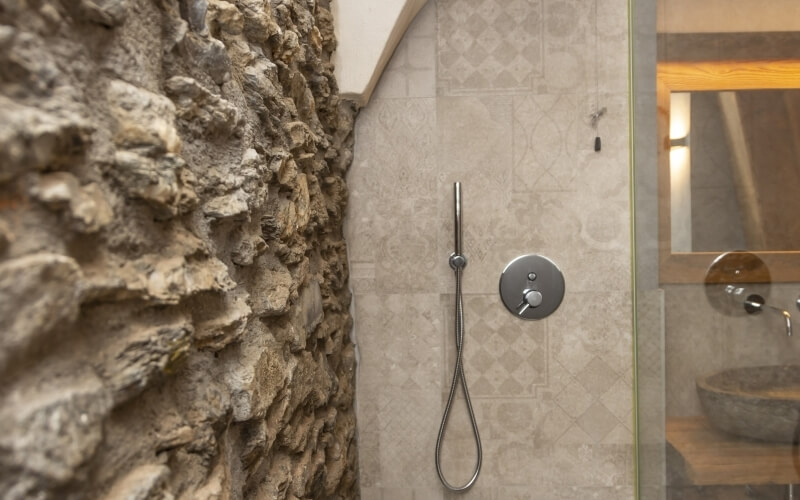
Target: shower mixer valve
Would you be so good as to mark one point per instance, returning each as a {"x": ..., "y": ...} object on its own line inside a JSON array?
[{"x": 532, "y": 287}]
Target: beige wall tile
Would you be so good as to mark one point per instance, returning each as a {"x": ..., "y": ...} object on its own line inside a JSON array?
[
  {"x": 505, "y": 357},
  {"x": 621, "y": 434},
  {"x": 480, "y": 158},
  {"x": 488, "y": 45},
  {"x": 398, "y": 494},
  {"x": 474, "y": 493},
  {"x": 408, "y": 424},
  {"x": 395, "y": 169},
  {"x": 615, "y": 493},
  {"x": 400, "y": 342},
  {"x": 589, "y": 325},
  {"x": 598, "y": 422},
  {"x": 474, "y": 143},
  {"x": 545, "y": 142},
  {"x": 362, "y": 276},
  {"x": 407, "y": 259},
  {"x": 371, "y": 493}
]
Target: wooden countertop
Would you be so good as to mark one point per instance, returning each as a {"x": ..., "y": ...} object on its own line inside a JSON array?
[{"x": 700, "y": 455}]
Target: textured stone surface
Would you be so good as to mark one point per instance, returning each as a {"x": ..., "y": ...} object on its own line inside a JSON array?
[{"x": 173, "y": 300}]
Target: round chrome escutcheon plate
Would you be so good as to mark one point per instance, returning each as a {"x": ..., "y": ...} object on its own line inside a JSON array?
[{"x": 532, "y": 287}]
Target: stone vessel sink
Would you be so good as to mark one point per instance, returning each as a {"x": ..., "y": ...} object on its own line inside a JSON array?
[{"x": 761, "y": 402}]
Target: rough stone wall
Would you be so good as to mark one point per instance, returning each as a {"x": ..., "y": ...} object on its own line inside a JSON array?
[{"x": 173, "y": 311}]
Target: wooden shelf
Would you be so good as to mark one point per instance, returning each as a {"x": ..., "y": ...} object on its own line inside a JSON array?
[{"x": 700, "y": 455}]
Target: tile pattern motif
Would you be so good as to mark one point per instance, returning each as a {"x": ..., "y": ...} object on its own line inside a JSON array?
[
  {"x": 505, "y": 357},
  {"x": 489, "y": 45}
]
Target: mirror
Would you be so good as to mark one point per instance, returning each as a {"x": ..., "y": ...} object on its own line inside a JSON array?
[{"x": 729, "y": 165}]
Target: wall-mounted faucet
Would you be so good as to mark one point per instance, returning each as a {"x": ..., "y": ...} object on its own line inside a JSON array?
[{"x": 755, "y": 303}]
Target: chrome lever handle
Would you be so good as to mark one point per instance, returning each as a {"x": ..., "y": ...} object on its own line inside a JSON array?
[{"x": 530, "y": 298}]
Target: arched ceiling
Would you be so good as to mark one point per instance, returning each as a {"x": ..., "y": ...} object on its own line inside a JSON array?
[{"x": 368, "y": 31}]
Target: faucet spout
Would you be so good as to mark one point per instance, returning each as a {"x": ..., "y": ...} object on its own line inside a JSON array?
[
  {"x": 788, "y": 318},
  {"x": 755, "y": 303}
]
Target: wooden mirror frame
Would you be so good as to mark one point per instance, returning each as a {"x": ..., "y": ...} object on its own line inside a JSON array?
[{"x": 691, "y": 267}]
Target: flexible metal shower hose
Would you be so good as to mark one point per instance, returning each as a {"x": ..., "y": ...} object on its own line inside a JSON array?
[{"x": 458, "y": 374}]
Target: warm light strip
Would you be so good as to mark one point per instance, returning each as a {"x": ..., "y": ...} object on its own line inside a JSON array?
[
  {"x": 730, "y": 75},
  {"x": 680, "y": 105}
]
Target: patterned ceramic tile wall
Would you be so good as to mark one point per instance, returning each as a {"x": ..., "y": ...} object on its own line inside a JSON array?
[
  {"x": 487, "y": 46},
  {"x": 515, "y": 82}
]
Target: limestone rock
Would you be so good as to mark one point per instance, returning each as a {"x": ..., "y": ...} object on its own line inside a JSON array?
[
  {"x": 175, "y": 32},
  {"x": 165, "y": 184},
  {"x": 339, "y": 453},
  {"x": 56, "y": 189},
  {"x": 142, "y": 483},
  {"x": 253, "y": 175},
  {"x": 261, "y": 80},
  {"x": 302, "y": 202},
  {"x": 210, "y": 55},
  {"x": 278, "y": 479},
  {"x": 311, "y": 384},
  {"x": 203, "y": 113},
  {"x": 251, "y": 159},
  {"x": 285, "y": 169},
  {"x": 37, "y": 293},
  {"x": 90, "y": 209},
  {"x": 258, "y": 23},
  {"x": 291, "y": 50},
  {"x": 226, "y": 16},
  {"x": 270, "y": 288},
  {"x": 308, "y": 314},
  {"x": 310, "y": 307},
  {"x": 156, "y": 279},
  {"x": 6, "y": 36},
  {"x": 256, "y": 374},
  {"x": 229, "y": 206},
  {"x": 177, "y": 437},
  {"x": 109, "y": 13},
  {"x": 143, "y": 119},
  {"x": 87, "y": 207},
  {"x": 308, "y": 474},
  {"x": 287, "y": 218},
  {"x": 172, "y": 279},
  {"x": 26, "y": 65},
  {"x": 34, "y": 139},
  {"x": 7, "y": 237},
  {"x": 47, "y": 432},
  {"x": 247, "y": 248},
  {"x": 145, "y": 358},
  {"x": 223, "y": 327},
  {"x": 217, "y": 487},
  {"x": 326, "y": 28},
  {"x": 299, "y": 136},
  {"x": 182, "y": 267},
  {"x": 194, "y": 12}
]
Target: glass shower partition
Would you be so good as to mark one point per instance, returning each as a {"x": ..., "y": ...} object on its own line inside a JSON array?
[{"x": 716, "y": 135}]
